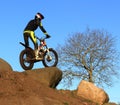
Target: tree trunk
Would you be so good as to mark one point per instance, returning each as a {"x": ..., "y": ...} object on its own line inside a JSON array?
[{"x": 90, "y": 76}]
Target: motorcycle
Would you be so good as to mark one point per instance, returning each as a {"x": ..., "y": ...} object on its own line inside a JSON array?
[{"x": 49, "y": 57}]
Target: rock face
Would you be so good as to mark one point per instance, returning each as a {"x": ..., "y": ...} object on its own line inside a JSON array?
[
  {"x": 32, "y": 87},
  {"x": 90, "y": 91},
  {"x": 4, "y": 66},
  {"x": 48, "y": 76}
]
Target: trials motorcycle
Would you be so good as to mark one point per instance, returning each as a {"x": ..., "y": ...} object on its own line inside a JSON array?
[{"x": 49, "y": 56}]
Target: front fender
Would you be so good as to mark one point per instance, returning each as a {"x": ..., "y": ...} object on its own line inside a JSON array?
[{"x": 49, "y": 49}]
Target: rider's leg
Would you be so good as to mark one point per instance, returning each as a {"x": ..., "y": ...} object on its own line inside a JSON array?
[
  {"x": 34, "y": 40},
  {"x": 26, "y": 35}
]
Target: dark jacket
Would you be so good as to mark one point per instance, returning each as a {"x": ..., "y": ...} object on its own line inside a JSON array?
[{"x": 33, "y": 25}]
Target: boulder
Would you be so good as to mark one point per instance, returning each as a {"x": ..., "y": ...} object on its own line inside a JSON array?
[
  {"x": 110, "y": 103},
  {"x": 89, "y": 91},
  {"x": 50, "y": 76},
  {"x": 4, "y": 66}
]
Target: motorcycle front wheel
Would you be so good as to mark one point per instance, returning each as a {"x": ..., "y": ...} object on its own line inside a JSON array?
[
  {"x": 25, "y": 59},
  {"x": 50, "y": 58}
]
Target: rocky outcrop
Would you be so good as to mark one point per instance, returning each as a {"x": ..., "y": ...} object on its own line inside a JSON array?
[
  {"x": 4, "y": 66},
  {"x": 48, "y": 76},
  {"x": 36, "y": 87},
  {"x": 91, "y": 92}
]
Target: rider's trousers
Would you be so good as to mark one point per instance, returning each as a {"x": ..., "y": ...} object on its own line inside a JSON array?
[{"x": 30, "y": 34}]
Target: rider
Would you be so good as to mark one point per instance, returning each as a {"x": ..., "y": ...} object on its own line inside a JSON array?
[{"x": 29, "y": 32}]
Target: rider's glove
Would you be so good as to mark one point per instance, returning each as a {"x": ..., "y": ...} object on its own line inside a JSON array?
[{"x": 48, "y": 36}]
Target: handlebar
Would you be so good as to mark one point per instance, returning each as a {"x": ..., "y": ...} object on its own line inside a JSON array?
[{"x": 42, "y": 38}]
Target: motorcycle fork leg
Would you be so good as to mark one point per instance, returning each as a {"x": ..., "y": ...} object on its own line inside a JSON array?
[{"x": 49, "y": 58}]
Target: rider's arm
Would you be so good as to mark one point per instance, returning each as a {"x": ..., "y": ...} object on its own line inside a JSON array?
[{"x": 42, "y": 29}]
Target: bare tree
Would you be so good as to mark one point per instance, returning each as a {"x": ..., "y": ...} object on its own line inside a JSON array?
[{"x": 88, "y": 56}]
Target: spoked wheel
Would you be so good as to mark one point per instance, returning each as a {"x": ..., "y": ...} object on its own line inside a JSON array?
[
  {"x": 25, "y": 59},
  {"x": 50, "y": 58}
]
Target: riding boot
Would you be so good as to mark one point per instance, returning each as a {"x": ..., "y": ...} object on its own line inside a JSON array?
[{"x": 37, "y": 55}]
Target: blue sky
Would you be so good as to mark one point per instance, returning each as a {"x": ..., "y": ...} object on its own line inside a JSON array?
[{"x": 62, "y": 18}]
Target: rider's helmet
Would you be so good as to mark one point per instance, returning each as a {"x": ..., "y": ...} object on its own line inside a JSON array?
[{"x": 39, "y": 16}]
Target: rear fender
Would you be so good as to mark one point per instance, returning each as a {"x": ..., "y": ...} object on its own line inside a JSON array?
[{"x": 26, "y": 46}]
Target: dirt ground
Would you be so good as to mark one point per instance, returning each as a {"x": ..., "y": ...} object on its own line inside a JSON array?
[{"x": 16, "y": 88}]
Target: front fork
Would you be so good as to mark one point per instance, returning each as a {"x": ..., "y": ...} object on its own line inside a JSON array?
[{"x": 48, "y": 57}]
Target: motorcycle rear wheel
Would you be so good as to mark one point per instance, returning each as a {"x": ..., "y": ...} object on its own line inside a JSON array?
[{"x": 25, "y": 59}]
